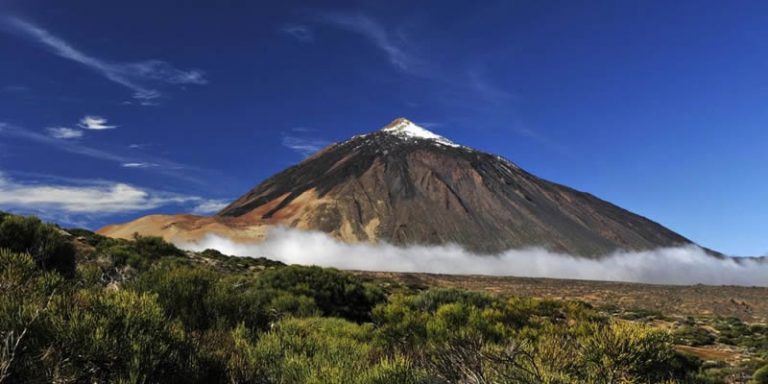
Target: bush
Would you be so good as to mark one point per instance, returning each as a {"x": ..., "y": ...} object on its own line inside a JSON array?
[
  {"x": 204, "y": 299},
  {"x": 315, "y": 350},
  {"x": 761, "y": 376},
  {"x": 335, "y": 293},
  {"x": 155, "y": 247},
  {"x": 694, "y": 336},
  {"x": 46, "y": 243},
  {"x": 181, "y": 292},
  {"x": 25, "y": 293},
  {"x": 117, "y": 336}
]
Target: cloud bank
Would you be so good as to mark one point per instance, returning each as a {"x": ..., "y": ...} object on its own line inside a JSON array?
[{"x": 683, "y": 265}]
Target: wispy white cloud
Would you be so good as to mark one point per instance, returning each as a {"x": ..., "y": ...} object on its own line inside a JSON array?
[
  {"x": 165, "y": 166},
  {"x": 133, "y": 76},
  {"x": 299, "y": 31},
  {"x": 95, "y": 123},
  {"x": 14, "y": 89},
  {"x": 205, "y": 207},
  {"x": 64, "y": 133},
  {"x": 392, "y": 45},
  {"x": 64, "y": 145},
  {"x": 92, "y": 198},
  {"x": 304, "y": 145},
  {"x": 139, "y": 165},
  {"x": 488, "y": 90}
]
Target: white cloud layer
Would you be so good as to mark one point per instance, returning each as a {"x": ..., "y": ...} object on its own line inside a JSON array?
[
  {"x": 95, "y": 123},
  {"x": 133, "y": 76},
  {"x": 64, "y": 133},
  {"x": 684, "y": 265}
]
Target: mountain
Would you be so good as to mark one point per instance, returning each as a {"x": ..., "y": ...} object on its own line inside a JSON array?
[{"x": 406, "y": 185}]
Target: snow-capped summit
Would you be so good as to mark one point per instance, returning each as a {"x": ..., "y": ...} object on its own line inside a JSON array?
[{"x": 407, "y": 129}]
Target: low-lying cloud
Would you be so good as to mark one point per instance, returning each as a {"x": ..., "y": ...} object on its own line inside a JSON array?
[{"x": 681, "y": 265}]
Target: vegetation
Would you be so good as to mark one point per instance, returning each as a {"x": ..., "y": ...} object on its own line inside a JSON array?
[{"x": 78, "y": 307}]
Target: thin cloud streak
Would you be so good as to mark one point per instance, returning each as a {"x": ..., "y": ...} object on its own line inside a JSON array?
[
  {"x": 486, "y": 89},
  {"x": 298, "y": 31},
  {"x": 64, "y": 133},
  {"x": 129, "y": 75},
  {"x": 164, "y": 166},
  {"x": 139, "y": 165},
  {"x": 303, "y": 145},
  {"x": 209, "y": 206},
  {"x": 379, "y": 36}
]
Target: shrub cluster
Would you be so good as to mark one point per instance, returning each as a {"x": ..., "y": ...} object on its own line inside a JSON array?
[{"x": 142, "y": 311}]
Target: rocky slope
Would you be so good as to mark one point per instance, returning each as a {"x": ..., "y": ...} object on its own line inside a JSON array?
[{"x": 406, "y": 185}]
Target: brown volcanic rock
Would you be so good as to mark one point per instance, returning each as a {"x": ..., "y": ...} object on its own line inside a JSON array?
[{"x": 406, "y": 185}]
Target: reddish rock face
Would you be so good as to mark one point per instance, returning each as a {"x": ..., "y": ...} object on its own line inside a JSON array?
[{"x": 406, "y": 185}]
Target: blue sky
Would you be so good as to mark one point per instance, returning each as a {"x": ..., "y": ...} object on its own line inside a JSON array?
[{"x": 113, "y": 110}]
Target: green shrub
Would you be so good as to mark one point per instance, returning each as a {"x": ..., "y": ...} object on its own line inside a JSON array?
[
  {"x": 315, "y": 350},
  {"x": 622, "y": 352},
  {"x": 204, "y": 299},
  {"x": 335, "y": 293},
  {"x": 117, "y": 336},
  {"x": 48, "y": 245},
  {"x": 694, "y": 336},
  {"x": 181, "y": 292},
  {"x": 761, "y": 376},
  {"x": 155, "y": 247},
  {"x": 25, "y": 294}
]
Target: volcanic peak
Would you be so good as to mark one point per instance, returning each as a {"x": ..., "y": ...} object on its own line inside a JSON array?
[{"x": 406, "y": 129}]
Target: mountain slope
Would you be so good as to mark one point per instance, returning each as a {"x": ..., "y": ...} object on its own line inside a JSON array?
[{"x": 406, "y": 185}]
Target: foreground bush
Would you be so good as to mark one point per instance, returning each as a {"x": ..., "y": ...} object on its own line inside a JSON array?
[
  {"x": 761, "y": 376},
  {"x": 117, "y": 336},
  {"x": 203, "y": 299},
  {"x": 315, "y": 350},
  {"x": 46, "y": 243},
  {"x": 56, "y": 334},
  {"x": 460, "y": 337},
  {"x": 335, "y": 293}
]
